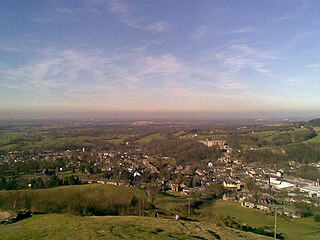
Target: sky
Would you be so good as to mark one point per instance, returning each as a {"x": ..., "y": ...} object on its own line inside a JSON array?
[{"x": 103, "y": 58}]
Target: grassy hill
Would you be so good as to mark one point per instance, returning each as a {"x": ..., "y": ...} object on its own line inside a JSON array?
[
  {"x": 88, "y": 200},
  {"x": 54, "y": 226},
  {"x": 95, "y": 199},
  {"x": 304, "y": 228},
  {"x": 315, "y": 122}
]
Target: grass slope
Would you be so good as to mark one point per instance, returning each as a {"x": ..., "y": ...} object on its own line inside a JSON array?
[
  {"x": 56, "y": 226},
  {"x": 94, "y": 199},
  {"x": 304, "y": 228}
]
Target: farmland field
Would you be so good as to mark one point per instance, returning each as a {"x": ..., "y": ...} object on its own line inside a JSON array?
[{"x": 151, "y": 137}]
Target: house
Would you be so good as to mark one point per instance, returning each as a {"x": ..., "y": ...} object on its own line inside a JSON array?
[
  {"x": 199, "y": 172},
  {"x": 262, "y": 207},
  {"x": 248, "y": 204},
  {"x": 210, "y": 143},
  {"x": 231, "y": 185},
  {"x": 311, "y": 190}
]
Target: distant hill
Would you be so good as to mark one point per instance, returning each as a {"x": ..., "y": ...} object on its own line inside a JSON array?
[{"x": 315, "y": 121}]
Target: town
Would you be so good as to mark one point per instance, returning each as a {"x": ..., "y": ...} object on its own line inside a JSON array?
[{"x": 178, "y": 159}]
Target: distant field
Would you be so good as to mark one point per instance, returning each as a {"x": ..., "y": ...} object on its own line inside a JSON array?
[
  {"x": 266, "y": 135},
  {"x": 115, "y": 140},
  {"x": 42, "y": 140},
  {"x": 55, "y": 226},
  {"x": 304, "y": 228},
  {"x": 7, "y": 136},
  {"x": 151, "y": 137},
  {"x": 212, "y": 137},
  {"x": 22, "y": 140},
  {"x": 276, "y": 138}
]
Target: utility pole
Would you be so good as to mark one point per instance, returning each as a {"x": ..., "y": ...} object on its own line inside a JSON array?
[
  {"x": 275, "y": 219},
  {"x": 143, "y": 207},
  {"x": 189, "y": 205},
  {"x": 275, "y": 223},
  {"x": 269, "y": 183}
]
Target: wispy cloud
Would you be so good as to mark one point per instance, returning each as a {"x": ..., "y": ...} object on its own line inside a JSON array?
[
  {"x": 236, "y": 57},
  {"x": 124, "y": 79},
  {"x": 120, "y": 7},
  {"x": 68, "y": 69},
  {"x": 316, "y": 65},
  {"x": 199, "y": 33},
  {"x": 247, "y": 29},
  {"x": 161, "y": 26},
  {"x": 119, "y": 77},
  {"x": 203, "y": 31},
  {"x": 301, "y": 38},
  {"x": 128, "y": 16},
  {"x": 286, "y": 17},
  {"x": 298, "y": 12}
]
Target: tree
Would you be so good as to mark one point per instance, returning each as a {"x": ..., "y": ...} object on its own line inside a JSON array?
[
  {"x": 54, "y": 181},
  {"x": 215, "y": 190},
  {"x": 251, "y": 185}
]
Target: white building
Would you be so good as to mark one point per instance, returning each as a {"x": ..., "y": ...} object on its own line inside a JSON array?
[
  {"x": 279, "y": 184},
  {"x": 312, "y": 190}
]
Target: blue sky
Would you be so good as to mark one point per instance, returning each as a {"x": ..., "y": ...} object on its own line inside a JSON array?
[{"x": 100, "y": 57}]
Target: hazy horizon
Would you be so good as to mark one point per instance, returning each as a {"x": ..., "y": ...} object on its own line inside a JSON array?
[
  {"x": 160, "y": 115},
  {"x": 69, "y": 59}
]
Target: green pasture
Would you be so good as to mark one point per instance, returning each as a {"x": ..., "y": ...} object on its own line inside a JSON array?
[
  {"x": 47, "y": 141},
  {"x": 54, "y": 226},
  {"x": 212, "y": 137},
  {"x": 115, "y": 140},
  {"x": 304, "y": 228},
  {"x": 151, "y": 137},
  {"x": 172, "y": 204}
]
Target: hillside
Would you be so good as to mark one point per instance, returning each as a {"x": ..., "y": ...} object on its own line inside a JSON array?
[
  {"x": 315, "y": 121},
  {"x": 304, "y": 228},
  {"x": 94, "y": 199},
  {"x": 56, "y": 226}
]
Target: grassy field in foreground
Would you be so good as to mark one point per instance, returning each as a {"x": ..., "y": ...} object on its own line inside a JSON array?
[
  {"x": 304, "y": 228},
  {"x": 54, "y": 226}
]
